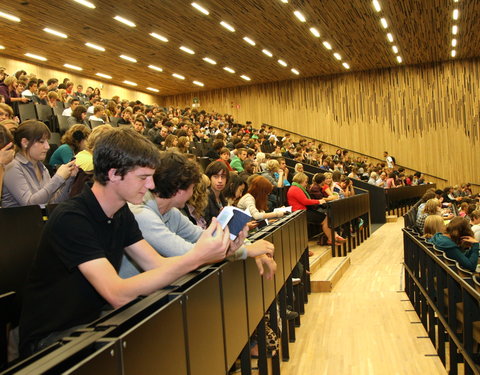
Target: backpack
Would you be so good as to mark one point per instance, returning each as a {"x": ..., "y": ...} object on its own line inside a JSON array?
[{"x": 393, "y": 159}]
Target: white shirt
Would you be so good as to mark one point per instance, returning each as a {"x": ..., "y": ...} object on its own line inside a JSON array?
[
  {"x": 95, "y": 118},
  {"x": 476, "y": 231},
  {"x": 389, "y": 161},
  {"x": 67, "y": 112},
  {"x": 27, "y": 94},
  {"x": 90, "y": 109}
]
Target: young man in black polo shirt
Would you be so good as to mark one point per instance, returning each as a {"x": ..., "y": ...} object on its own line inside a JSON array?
[{"x": 75, "y": 274}]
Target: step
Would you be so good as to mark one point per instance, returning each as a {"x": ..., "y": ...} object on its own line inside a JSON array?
[
  {"x": 329, "y": 275},
  {"x": 321, "y": 255},
  {"x": 392, "y": 218}
]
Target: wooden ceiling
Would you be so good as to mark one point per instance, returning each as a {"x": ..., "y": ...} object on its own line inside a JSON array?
[{"x": 421, "y": 30}]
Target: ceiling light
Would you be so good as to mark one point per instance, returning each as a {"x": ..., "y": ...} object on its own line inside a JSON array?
[
  {"x": 155, "y": 68},
  {"x": 395, "y": 49},
  {"x": 315, "y": 32},
  {"x": 390, "y": 37},
  {"x": 124, "y": 21},
  {"x": 295, "y": 71},
  {"x": 455, "y": 14},
  {"x": 284, "y": 1},
  {"x": 160, "y": 37},
  {"x": 9, "y": 17},
  {"x": 152, "y": 89},
  {"x": 227, "y": 26},
  {"x": 246, "y": 78},
  {"x": 209, "y": 60},
  {"x": 94, "y": 46},
  {"x": 187, "y": 50},
  {"x": 376, "y": 5},
  {"x": 54, "y": 32},
  {"x": 454, "y": 42},
  {"x": 267, "y": 52},
  {"x": 399, "y": 59},
  {"x": 85, "y": 3},
  {"x": 178, "y": 76},
  {"x": 198, "y": 83},
  {"x": 453, "y": 53},
  {"x": 74, "y": 67},
  {"x": 130, "y": 83},
  {"x": 327, "y": 45},
  {"x": 104, "y": 75},
  {"x": 337, "y": 56},
  {"x": 384, "y": 23},
  {"x": 454, "y": 29},
  {"x": 128, "y": 58},
  {"x": 36, "y": 57},
  {"x": 230, "y": 70},
  {"x": 2, "y": 47},
  {"x": 248, "y": 40},
  {"x": 283, "y": 63},
  {"x": 300, "y": 16},
  {"x": 345, "y": 65},
  {"x": 200, "y": 8}
]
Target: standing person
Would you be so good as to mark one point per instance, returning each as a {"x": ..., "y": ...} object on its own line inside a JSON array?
[{"x": 389, "y": 160}]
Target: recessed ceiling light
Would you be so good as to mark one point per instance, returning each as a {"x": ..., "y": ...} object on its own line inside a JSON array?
[
  {"x": 209, "y": 60},
  {"x": 158, "y": 69},
  {"x": 337, "y": 56},
  {"x": 295, "y": 71},
  {"x": 94, "y": 46},
  {"x": 315, "y": 32},
  {"x": 399, "y": 59},
  {"x": 230, "y": 70},
  {"x": 2, "y": 47},
  {"x": 198, "y": 83},
  {"x": 282, "y": 63},
  {"x": 74, "y": 67},
  {"x": 395, "y": 49},
  {"x": 300, "y": 16},
  {"x": 128, "y": 58},
  {"x": 152, "y": 89},
  {"x": 246, "y": 78},
  {"x": 390, "y": 37},
  {"x": 248, "y": 40},
  {"x": 327, "y": 45},
  {"x": 178, "y": 76},
  {"x": 124, "y": 21},
  {"x": 453, "y": 53},
  {"x": 267, "y": 52},
  {"x": 104, "y": 75},
  {"x": 158, "y": 36},
  {"x": 345, "y": 65},
  {"x": 284, "y": 1},
  {"x": 85, "y": 3},
  {"x": 454, "y": 42},
  {"x": 454, "y": 29},
  {"x": 9, "y": 17},
  {"x": 200, "y": 8},
  {"x": 36, "y": 57},
  {"x": 376, "y": 5},
  {"x": 187, "y": 50},
  {"x": 55, "y": 32},
  {"x": 455, "y": 14},
  {"x": 130, "y": 83},
  {"x": 384, "y": 23},
  {"x": 227, "y": 26}
]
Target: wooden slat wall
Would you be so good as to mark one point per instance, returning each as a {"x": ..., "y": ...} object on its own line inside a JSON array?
[{"x": 426, "y": 116}]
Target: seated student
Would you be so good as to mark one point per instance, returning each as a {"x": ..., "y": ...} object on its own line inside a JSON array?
[
  {"x": 84, "y": 159},
  {"x": 73, "y": 141},
  {"x": 219, "y": 176},
  {"x": 429, "y": 194},
  {"x": 225, "y": 157},
  {"x": 163, "y": 225},
  {"x": 457, "y": 235},
  {"x": 41, "y": 96},
  {"x": 235, "y": 189},
  {"x": 475, "y": 221},
  {"x": 433, "y": 224},
  {"x": 79, "y": 116},
  {"x": 320, "y": 188},
  {"x": 6, "y": 152},
  {"x": 98, "y": 114},
  {"x": 27, "y": 181},
  {"x": 463, "y": 209},
  {"x": 273, "y": 173},
  {"x": 195, "y": 207},
  {"x": 75, "y": 274},
  {"x": 390, "y": 182},
  {"x": 432, "y": 207}
]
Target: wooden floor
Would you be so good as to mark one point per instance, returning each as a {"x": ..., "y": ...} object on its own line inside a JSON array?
[{"x": 362, "y": 327}]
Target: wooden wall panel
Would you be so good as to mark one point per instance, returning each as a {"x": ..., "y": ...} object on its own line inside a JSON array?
[{"x": 426, "y": 116}]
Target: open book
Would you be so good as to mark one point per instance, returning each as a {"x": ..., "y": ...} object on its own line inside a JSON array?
[
  {"x": 235, "y": 218},
  {"x": 287, "y": 210}
]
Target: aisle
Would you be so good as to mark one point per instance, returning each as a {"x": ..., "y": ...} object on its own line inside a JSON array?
[{"x": 362, "y": 326}]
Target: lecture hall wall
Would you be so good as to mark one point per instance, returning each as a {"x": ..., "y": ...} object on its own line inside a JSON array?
[{"x": 426, "y": 116}]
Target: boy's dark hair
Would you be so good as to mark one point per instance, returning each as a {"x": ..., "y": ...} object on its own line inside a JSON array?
[
  {"x": 215, "y": 168},
  {"x": 122, "y": 149}
]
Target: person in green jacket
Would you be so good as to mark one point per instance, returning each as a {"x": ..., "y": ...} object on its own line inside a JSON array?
[{"x": 237, "y": 161}]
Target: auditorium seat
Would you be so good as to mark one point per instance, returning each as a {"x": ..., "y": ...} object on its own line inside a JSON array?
[{"x": 27, "y": 111}]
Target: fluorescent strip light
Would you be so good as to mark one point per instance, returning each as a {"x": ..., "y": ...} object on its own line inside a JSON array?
[
  {"x": 55, "y": 32},
  {"x": 454, "y": 29},
  {"x": 198, "y": 83},
  {"x": 152, "y": 89},
  {"x": 124, "y": 21},
  {"x": 453, "y": 53},
  {"x": 246, "y": 78},
  {"x": 248, "y": 40},
  {"x": 455, "y": 14},
  {"x": 200, "y": 8},
  {"x": 376, "y": 5},
  {"x": 267, "y": 52},
  {"x": 345, "y": 65},
  {"x": 128, "y": 58},
  {"x": 395, "y": 49},
  {"x": 2, "y": 47},
  {"x": 454, "y": 42},
  {"x": 384, "y": 23},
  {"x": 390, "y": 37},
  {"x": 9, "y": 17},
  {"x": 36, "y": 57},
  {"x": 160, "y": 37},
  {"x": 227, "y": 26},
  {"x": 327, "y": 45},
  {"x": 86, "y": 3},
  {"x": 399, "y": 59},
  {"x": 74, "y": 67},
  {"x": 178, "y": 76},
  {"x": 315, "y": 32},
  {"x": 284, "y": 1},
  {"x": 230, "y": 70},
  {"x": 300, "y": 16},
  {"x": 295, "y": 71},
  {"x": 158, "y": 69},
  {"x": 209, "y": 60},
  {"x": 187, "y": 50},
  {"x": 104, "y": 75},
  {"x": 337, "y": 56},
  {"x": 283, "y": 63},
  {"x": 130, "y": 83},
  {"x": 94, "y": 46}
]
